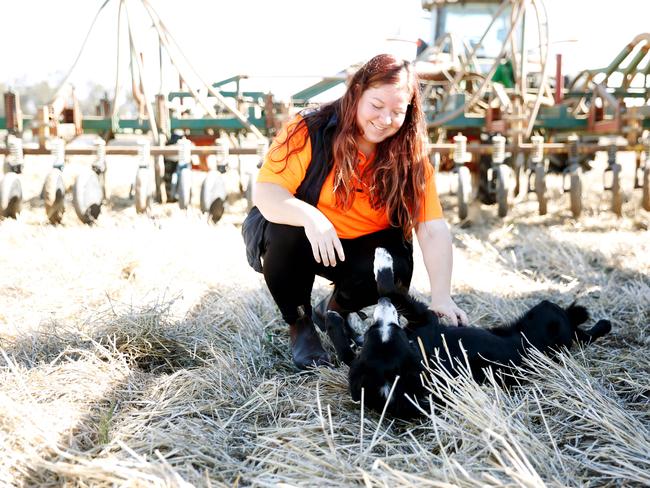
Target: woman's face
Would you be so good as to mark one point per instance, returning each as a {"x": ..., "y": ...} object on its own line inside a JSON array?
[{"x": 381, "y": 112}]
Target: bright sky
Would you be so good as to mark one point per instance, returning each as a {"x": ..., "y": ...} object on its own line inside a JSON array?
[{"x": 41, "y": 38}]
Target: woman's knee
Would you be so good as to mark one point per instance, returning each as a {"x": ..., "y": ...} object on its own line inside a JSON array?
[
  {"x": 286, "y": 240},
  {"x": 287, "y": 263}
]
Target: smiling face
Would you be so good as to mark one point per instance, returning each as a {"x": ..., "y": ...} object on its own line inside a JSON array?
[{"x": 381, "y": 113}]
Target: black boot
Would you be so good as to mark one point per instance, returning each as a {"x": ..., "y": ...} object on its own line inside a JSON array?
[
  {"x": 319, "y": 312},
  {"x": 306, "y": 348},
  {"x": 319, "y": 316}
]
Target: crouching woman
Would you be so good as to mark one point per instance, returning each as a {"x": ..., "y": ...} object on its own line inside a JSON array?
[{"x": 337, "y": 183}]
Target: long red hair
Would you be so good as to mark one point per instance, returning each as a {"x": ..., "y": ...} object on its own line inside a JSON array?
[{"x": 396, "y": 178}]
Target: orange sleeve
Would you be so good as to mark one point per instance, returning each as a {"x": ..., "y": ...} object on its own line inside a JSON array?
[
  {"x": 431, "y": 208},
  {"x": 281, "y": 167}
]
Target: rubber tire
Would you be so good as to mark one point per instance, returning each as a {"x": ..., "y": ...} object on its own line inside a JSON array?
[
  {"x": 484, "y": 192},
  {"x": 184, "y": 188},
  {"x": 540, "y": 189},
  {"x": 87, "y": 196},
  {"x": 248, "y": 191},
  {"x": 142, "y": 191},
  {"x": 576, "y": 192},
  {"x": 645, "y": 196},
  {"x": 217, "y": 210},
  {"x": 159, "y": 173},
  {"x": 11, "y": 195},
  {"x": 617, "y": 195},
  {"x": 101, "y": 177},
  {"x": 54, "y": 196},
  {"x": 170, "y": 177},
  {"x": 464, "y": 191},
  {"x": 213, "y": 196},
  {"x": 503, "y": 190},
  {"x": 518, "y": 170}
]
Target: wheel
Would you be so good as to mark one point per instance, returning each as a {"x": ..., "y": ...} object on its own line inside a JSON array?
[
  {"x": 87, "y": 196},
  {"x": 503, "y": 188},
  {"x": 540, "y": 188},
  {"x": 11, "y": 195},
  {"x": 645, "y": 198},
  {"x": 159, "y": 173},
  {"x": 170, "y": 178},
  {"x": 464, "y": 191},
  {"x": 213, "y": 195},
  {"x": 184, "y": 188},
  {"x": 142, "y": 191},
  {"x": 54, "y": 196},
  {"x": 101, "y": 177},
  {"x": 248, "y": 191},
  {"x": 576, "y": 193},
  {"x": 485, "y": 191},
  {"x": 519, "y": 162},
  {"x": 617, "y": 195}
]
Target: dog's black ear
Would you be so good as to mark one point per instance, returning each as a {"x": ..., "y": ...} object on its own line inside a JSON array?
[
  {"x": 577, "y": 314},
  {"x": 335, "y": 326},
  {"x": 414, "y": 311}
]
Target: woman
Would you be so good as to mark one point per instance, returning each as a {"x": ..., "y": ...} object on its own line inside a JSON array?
[{"x": 339, "y": 182}]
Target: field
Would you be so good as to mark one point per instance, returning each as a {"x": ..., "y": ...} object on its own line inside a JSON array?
[{"x": 143, "y": 351}]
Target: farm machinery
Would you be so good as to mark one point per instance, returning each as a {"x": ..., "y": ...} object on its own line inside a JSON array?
[
  {"x": 496, "y": 116},
  {"x": 176, "y": 138},
  {"x": 186, "y": 144}
]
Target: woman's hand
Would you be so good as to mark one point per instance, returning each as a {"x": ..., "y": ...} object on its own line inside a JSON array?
[
  {"x": 446, "y": 308},
  {"x": 325, "y": 244},
  {"x": 279, "y": 206},
  {"x": 435, "y": 242}
]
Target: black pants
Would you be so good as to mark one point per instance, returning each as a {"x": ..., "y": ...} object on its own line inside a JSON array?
[{"x": 290, "y": 268}]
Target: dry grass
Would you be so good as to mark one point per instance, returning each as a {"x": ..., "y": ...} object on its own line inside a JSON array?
[{"x": 144, "y": 352}]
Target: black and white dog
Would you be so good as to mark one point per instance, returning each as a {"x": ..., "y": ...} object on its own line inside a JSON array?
[{"x": 390, "y": 351}]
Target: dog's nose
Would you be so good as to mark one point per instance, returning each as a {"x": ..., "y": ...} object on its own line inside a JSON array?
[
  {"x": 384, "y": 302},
  {"x": 385, "y": 313}
]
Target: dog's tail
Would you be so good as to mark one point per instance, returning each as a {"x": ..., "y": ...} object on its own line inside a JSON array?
[
  {"x": 579, "y": 315},
  {"x": 602, "y": 327},
  {"x": 384, "y": 276}
]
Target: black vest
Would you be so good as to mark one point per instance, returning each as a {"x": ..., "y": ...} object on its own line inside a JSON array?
[{"x": 320, "y": 138}]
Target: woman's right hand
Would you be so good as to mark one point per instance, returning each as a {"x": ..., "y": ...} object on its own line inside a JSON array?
[
  {"x": 279, "y": 206},
  {"x": 325, "y": 244}
]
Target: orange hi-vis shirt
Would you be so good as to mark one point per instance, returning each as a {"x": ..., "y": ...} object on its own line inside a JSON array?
[{"x": 361, "y": 218}]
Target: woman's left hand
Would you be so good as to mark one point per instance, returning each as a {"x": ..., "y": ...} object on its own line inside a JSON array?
[{"x": 447, "y": 309}]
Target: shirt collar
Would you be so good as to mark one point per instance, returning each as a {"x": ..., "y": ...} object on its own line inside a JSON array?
[{"x": 363, "y": 160}]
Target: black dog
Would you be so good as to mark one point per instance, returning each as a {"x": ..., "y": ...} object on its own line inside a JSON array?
[{"x": 390, "y": 351}]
